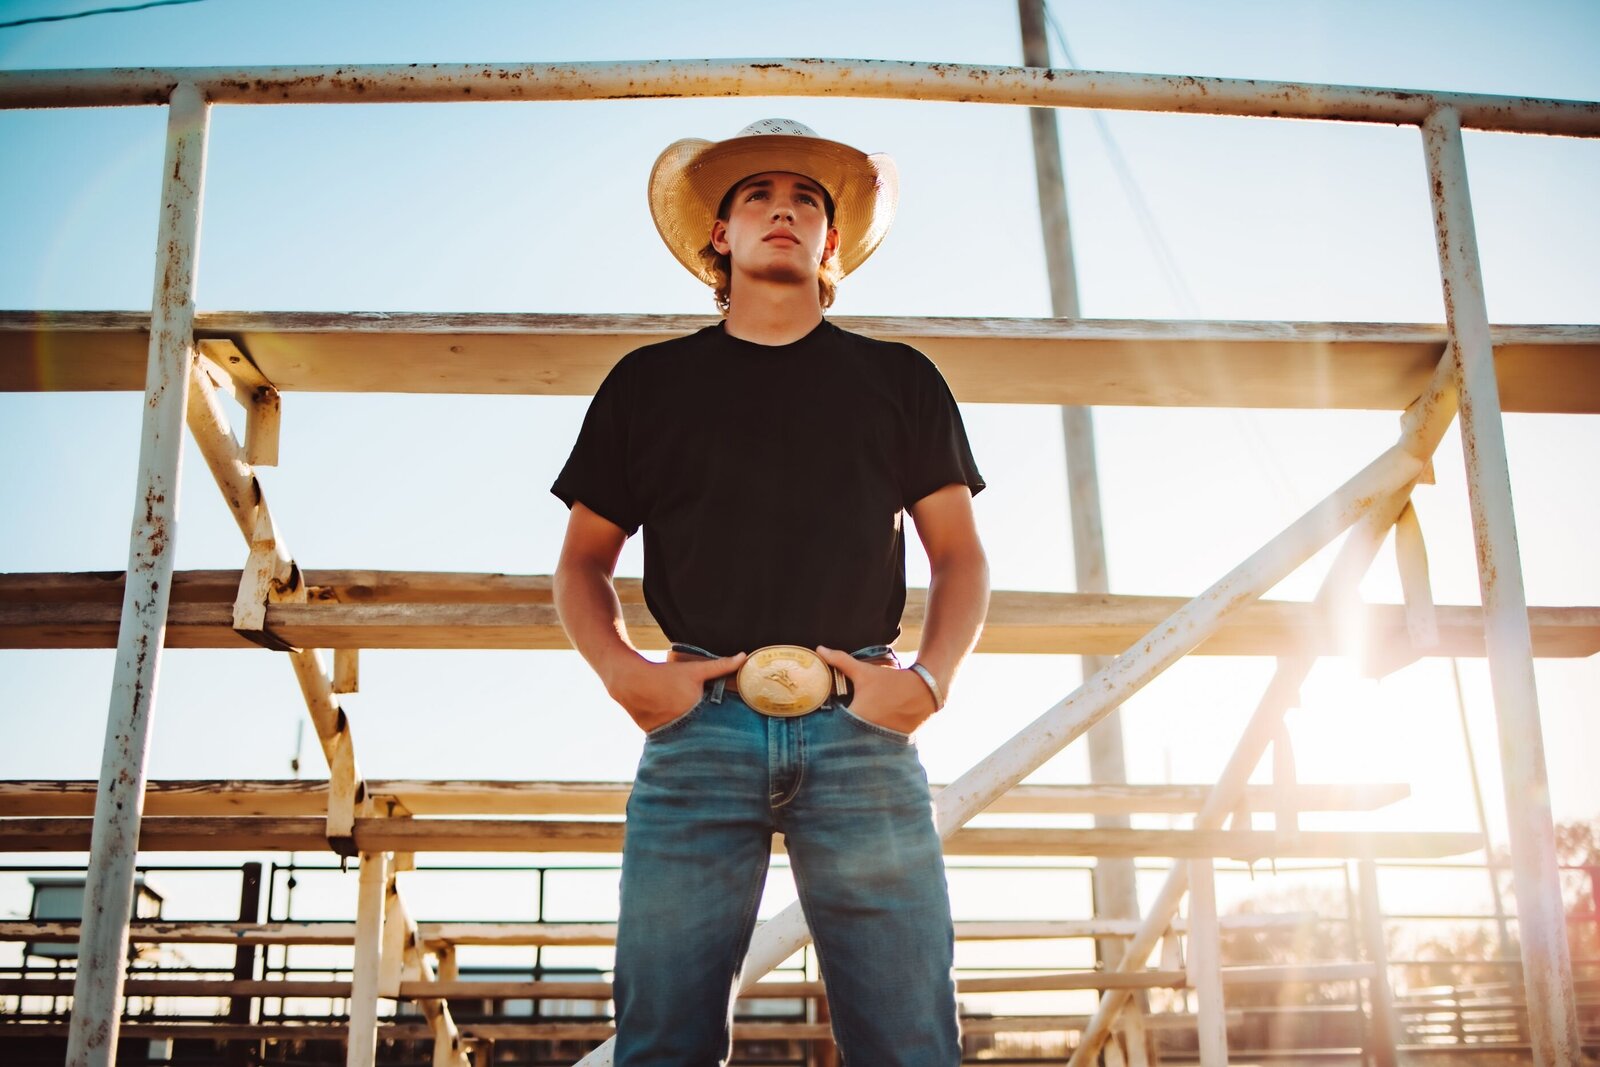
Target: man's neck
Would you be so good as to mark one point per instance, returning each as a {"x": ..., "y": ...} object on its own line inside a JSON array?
[{"x": 773, "y": 315}]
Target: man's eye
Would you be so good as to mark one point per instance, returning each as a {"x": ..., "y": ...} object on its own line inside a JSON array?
[{"x": 807, "y": 199}]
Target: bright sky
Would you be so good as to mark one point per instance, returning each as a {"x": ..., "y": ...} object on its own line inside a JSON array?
[{"x": 540, "y": 208}]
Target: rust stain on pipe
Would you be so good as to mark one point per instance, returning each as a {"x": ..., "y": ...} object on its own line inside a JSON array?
[{"x": 884, "y": 79}]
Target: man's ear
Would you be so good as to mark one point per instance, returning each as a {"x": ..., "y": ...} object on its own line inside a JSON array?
[
  {"x": 719, "y": 237},
  {"x": 831, "y": 245}
]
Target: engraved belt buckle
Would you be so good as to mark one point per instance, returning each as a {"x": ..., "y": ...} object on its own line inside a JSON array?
[{"x": 785, "y": 681}]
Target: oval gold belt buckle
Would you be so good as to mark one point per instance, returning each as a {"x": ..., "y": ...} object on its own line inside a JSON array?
[{"x": 785, "y": 681}]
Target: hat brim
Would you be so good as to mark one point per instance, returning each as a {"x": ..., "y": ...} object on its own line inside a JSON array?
[{"x": 691, "y": 177}]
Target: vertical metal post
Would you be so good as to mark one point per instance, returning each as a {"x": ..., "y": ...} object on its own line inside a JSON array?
[
  {"x": 1205, "y": 963},
  {"x": 1115, "y": 886},
  {"x": 1594, "y": 896},
  {"x": 97, "y": 994},
  {"x": 241, "y": 1053},
  {"x": 1354, "y": 558},
  {"x": 1547, "y": 967},
  {"x": 1502, "y": 926},
  {"x": 1052, "y": 182},
  {"x": 1385, "y": 1024},
  {"x": 1352, "y": 930},
  {"x": 363, "y": 1040}
]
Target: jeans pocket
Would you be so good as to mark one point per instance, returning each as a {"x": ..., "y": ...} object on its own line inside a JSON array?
[
  {"x": 874, "y": 728},
  {"x": 673, "y": 724}
]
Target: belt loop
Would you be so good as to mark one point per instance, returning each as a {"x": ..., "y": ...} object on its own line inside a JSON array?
[{"x": 718, "y": 686}]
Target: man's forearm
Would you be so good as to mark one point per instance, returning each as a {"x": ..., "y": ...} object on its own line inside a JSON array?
[
  {"x": 958, "y": 600},
  {"x": 586, "y": 600}
]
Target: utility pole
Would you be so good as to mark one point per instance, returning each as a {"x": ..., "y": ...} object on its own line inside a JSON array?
[{"x": 1115, "y": 889}]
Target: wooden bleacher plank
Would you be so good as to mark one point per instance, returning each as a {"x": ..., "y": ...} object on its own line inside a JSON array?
[
  {"x": 357, "y": 609},
  {"x": 766, "y": 990},
  {"x": 512, "y": 990},
  {"x": 179, "y": 932},
  {"x": 231, "y": 834},
  {"x": 1229, "y": 844},
  {"x": 549, "y": 1031},
  {"x": 1553, "y": 368},
  {"x": 61, "y": 799},
  {"x": 543, "y": 934}
]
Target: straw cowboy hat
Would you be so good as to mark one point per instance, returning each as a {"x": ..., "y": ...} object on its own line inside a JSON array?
[{"x": 692, "y": 176}]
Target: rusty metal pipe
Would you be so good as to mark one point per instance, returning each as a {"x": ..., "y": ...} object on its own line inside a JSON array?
[
  {"x": 322, "y": 704},
  {"x": 1422, "y": 427},
  {"x": 1355, "y": 557},
  {"x": 362, "y": 1046},
  {"x": 1116, "y": 891},
  {"x": 97, "y": 993},
  {"x": 1170, "y": 641},
  {"x": 1382, "y": 484},
  {"x": 235, "y": 477},
  {"x": 860, "y": 78},
  {"x": 1541, "y": 922},
  {"x": 785, "y": 933}
]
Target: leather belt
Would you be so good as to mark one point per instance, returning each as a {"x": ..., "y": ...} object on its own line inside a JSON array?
[{"x": 785, "y": 681}]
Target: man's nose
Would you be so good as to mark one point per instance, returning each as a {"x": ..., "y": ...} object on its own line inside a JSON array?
[{"x": 783, "y": 209}]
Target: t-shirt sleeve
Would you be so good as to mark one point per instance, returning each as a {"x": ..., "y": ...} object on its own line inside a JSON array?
[
  {"x": 597, "y": 472},
  {"x": 939, "y": 454}
]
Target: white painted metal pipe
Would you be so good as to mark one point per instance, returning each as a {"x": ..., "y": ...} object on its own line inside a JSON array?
[
  {"x": 1422, "y": 426},
  {"x": 234, "y": 475},
  {"x": 1411, "y": 556},
  {"x": 1386, "y": 1033},
  {"x": 1115, "y": 883},
  {"x": 236, "y": 478},
  {"x": 97, "y": 994},
  {"x": 1167, "y": 643},
  {"x": 363, "y": 1035},
  {"x": 322, "y": 704},
  {"x": 1205, "y": 964},
  {"x": 1503, "y": 944},
  {"x": 862, "y": 78},
  {"x": 1354, "y": 558},
  {"x": 785, "y": 933},
  {"x": 1541, "y": 922}
]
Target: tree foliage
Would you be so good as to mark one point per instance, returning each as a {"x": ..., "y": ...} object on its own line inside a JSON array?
[{"x": 1459, "y": 954}]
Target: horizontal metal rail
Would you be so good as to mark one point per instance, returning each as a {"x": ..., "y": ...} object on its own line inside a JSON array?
[
  {"x": 568, "y": 934},
  {"x": 859, "y": 78}
]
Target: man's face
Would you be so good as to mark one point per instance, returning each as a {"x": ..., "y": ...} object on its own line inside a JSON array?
[{"x": 777, "y": 228}]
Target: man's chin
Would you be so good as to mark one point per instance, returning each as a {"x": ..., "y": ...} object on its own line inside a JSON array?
[{"x": 784, "y": 274}]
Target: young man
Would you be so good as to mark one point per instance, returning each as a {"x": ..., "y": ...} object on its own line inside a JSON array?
[{"x": 770, "y": 460}]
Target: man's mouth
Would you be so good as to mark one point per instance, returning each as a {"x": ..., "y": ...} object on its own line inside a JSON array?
[{"x": 782, "y": 235}]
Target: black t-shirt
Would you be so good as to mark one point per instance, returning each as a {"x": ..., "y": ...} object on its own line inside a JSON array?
[{"x": 771, "y": 481}]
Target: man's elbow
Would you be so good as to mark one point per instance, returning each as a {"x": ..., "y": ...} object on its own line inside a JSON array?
[
  {"x": 572, "y": 572},
  {"x": 967, "y": 561}
]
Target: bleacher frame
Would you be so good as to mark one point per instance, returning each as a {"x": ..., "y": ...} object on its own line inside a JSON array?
[{"x": 1427, "y": 372}]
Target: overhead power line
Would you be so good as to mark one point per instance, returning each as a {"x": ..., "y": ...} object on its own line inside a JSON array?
[
  {"x": 1248, "y": 425},
  {"x": 1130, "y": 187},
  {"x": 95, "y": 11}
]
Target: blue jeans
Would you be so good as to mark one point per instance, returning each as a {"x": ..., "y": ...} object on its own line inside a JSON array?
[{"x": 851, "y": 799}]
